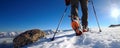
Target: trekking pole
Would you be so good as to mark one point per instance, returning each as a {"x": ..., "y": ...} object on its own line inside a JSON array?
[
  {"x": 96, "y": 16},
  {"x": 59, "y": 23}
]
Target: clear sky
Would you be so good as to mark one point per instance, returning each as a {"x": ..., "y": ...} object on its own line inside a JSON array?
[{"x": 21, "y": 15}]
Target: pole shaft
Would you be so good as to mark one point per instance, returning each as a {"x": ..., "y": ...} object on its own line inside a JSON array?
[
  {"x": 96, "y": 16},
  {"x": 59, "y": 23}
]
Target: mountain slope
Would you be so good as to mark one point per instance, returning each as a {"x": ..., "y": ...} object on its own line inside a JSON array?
[{"x": 108, "y": 38}]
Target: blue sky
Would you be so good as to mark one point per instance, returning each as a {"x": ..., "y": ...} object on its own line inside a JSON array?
[{"x": 21, "y": 15}]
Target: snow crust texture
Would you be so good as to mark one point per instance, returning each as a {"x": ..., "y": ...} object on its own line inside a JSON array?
[{"x": 108, "y": 38}]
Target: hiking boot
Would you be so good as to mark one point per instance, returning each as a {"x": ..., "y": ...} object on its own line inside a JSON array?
[
  {"x": 85, "y": 30},
  {"x": 75, "y": 25},
  {"x": 78, "y": 33}
]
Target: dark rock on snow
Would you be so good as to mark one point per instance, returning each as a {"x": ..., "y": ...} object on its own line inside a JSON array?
[
  {"x": 28, "y": 37},
  {"x": 114, "y": 25}
]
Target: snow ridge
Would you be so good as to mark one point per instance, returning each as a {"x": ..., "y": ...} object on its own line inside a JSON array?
[{"x": 108, "y": 38}]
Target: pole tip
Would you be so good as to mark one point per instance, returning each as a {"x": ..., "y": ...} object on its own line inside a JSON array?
[
  {"x": 52, "y": 39},
  {"x": 100, "y": 30}
]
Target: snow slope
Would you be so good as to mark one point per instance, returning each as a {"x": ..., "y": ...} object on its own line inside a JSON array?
[{"x": 108, "y": 38}]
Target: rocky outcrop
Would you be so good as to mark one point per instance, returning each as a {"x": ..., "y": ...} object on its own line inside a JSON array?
[
  {"x": 114, "y": 25},
  {"x": 28, "y": 37}
]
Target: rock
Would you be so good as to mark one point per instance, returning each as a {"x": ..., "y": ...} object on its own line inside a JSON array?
[
  {"x": 28, "y": 37},
  {"x": 114, "y": 25}
]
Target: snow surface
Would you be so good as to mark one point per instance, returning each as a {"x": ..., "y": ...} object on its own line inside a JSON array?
[{"x": 108, "y": 38}]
